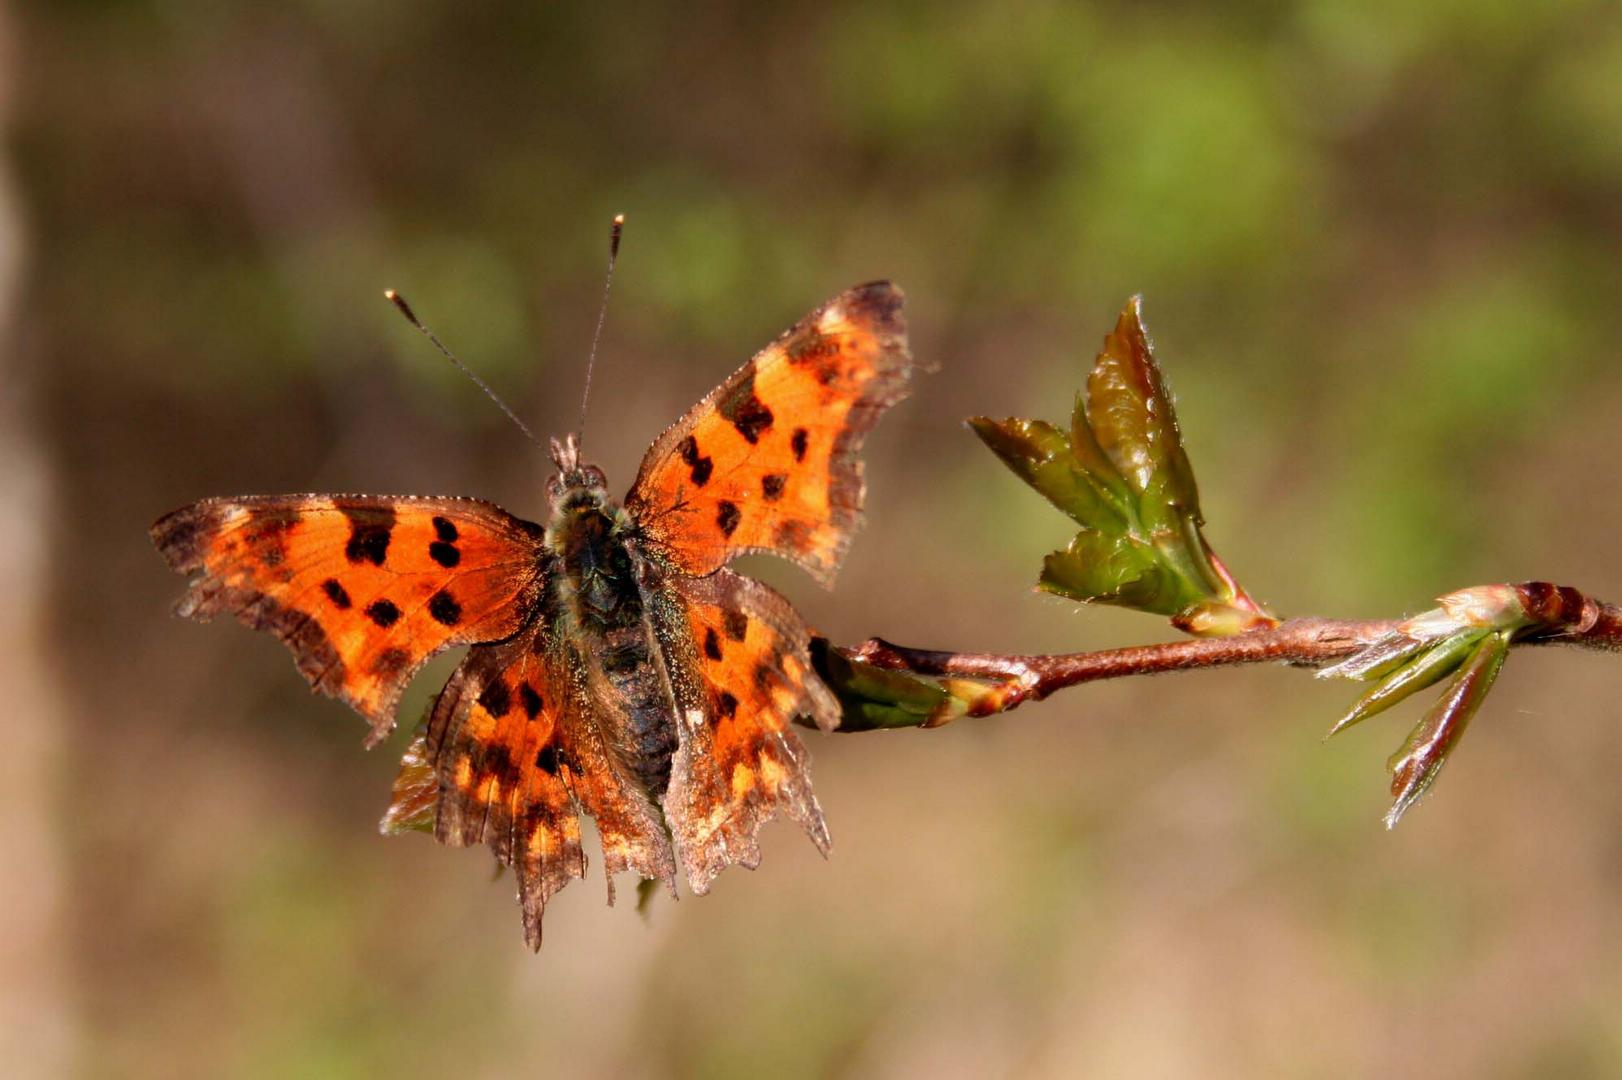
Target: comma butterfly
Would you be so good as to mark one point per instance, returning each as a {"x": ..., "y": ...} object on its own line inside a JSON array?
[{"x": 617, "y": 666}]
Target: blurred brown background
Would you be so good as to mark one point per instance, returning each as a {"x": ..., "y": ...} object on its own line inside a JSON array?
[{"x": 1381, "y": 249}]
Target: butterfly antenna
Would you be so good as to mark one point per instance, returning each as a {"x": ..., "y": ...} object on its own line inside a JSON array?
[
  {"x": 411, "y": 317},
  {"x": 602, "y": 313}
]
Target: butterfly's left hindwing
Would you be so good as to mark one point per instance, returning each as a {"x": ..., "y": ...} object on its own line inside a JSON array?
[{"x": 362, "y": 589}]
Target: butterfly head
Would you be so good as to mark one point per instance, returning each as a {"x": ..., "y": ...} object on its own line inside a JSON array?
[{"x": 574, "y": 476}]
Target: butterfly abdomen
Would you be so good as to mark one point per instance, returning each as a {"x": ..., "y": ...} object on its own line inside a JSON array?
[
  {"x": 604, "y": 599},
  {"x": 649, "y": 738}
]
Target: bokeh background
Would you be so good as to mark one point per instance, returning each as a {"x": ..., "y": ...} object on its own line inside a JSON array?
[{"x": 1381, "y": 250}]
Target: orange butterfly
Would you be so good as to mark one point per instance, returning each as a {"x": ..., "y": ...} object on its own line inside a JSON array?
[{"x": 617, "y": 667}]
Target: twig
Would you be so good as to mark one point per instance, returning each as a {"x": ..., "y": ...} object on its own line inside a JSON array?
[{"x": 1305, "y": 642}]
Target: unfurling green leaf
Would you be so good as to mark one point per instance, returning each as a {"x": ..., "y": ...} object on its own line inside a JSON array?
[
  {"x": 1430, "y": 667},
  {"x": 876, "y": 696},
  {"x": 1039, "y": 454},
  {"x": 1103, "y": 569},
  {"x": 872, "y": 697},
  {"x": 1466, "y": 636},
  {"x": 1132, "y": 420},
  {"x": 1433, "y": 739},
  {"x": 1121, "y": 473}
]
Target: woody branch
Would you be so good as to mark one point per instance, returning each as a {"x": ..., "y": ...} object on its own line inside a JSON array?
[{"x": 1304, "y": 642}]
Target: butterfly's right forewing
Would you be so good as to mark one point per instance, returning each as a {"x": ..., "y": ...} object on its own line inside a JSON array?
[{"x": 363, "y": 589}]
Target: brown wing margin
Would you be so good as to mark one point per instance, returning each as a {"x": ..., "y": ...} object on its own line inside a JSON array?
[
  {"x": 362, "y": 589},
  {"x": 769, "y": 460}
]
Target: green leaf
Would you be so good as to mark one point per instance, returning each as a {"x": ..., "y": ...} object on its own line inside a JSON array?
[
  {"x": 1122, "y": 570},
  {"x": 1089, "y": 455},
  {"x": 1132, "y": 419},
  {"x": 1122, "y": 474},
  {"x": 1040, "y": 454}
]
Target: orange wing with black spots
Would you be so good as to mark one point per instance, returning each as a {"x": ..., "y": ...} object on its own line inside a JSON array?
[
  {"x": 768, "y": 461},
  {"x": 494, "y": 742},
  {"x": 739, "y": 761},
  {"x": 362, "y": 589},
  {"x": 518, "y": 754}
]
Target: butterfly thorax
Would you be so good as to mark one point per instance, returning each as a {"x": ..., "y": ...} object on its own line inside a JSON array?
[
  {"x": 598, "y": 576},
  {"x": 598, "y": 591}
]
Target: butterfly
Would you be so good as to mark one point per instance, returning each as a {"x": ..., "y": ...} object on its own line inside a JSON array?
[{"x": 617, "y": 667}]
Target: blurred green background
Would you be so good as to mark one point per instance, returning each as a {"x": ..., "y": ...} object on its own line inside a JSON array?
[{"x": 1381, "y": 250}]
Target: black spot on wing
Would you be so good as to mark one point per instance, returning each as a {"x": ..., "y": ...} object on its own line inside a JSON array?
[
  {"x": 745, "y": 411},
  {"x": 496, "y": 698},
  {"x": 337, "y": 594},
  {"x": 445, "y": 554},
  {"x": 383, "y": 613},
  {"x": 712, "y": 643},
  {"x": 547, "y": 761},
  {"x": 530, "y": 700},
  {"x": 771, "y": 486},
  {"x": 700, "y": 465},
  {"x": 726, "y": 705},
  {"x": 799, "y": 442},
  {"x": 369, "y": 531},
  {"x": 445, "y": 529},
  {"x": 727, "y": 517},
  {"x": 444, "y": 608},
  {"x": 735, "y": 623}
]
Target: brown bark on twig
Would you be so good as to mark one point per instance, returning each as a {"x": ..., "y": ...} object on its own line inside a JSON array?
[{"x": 1306, "y": 642}]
